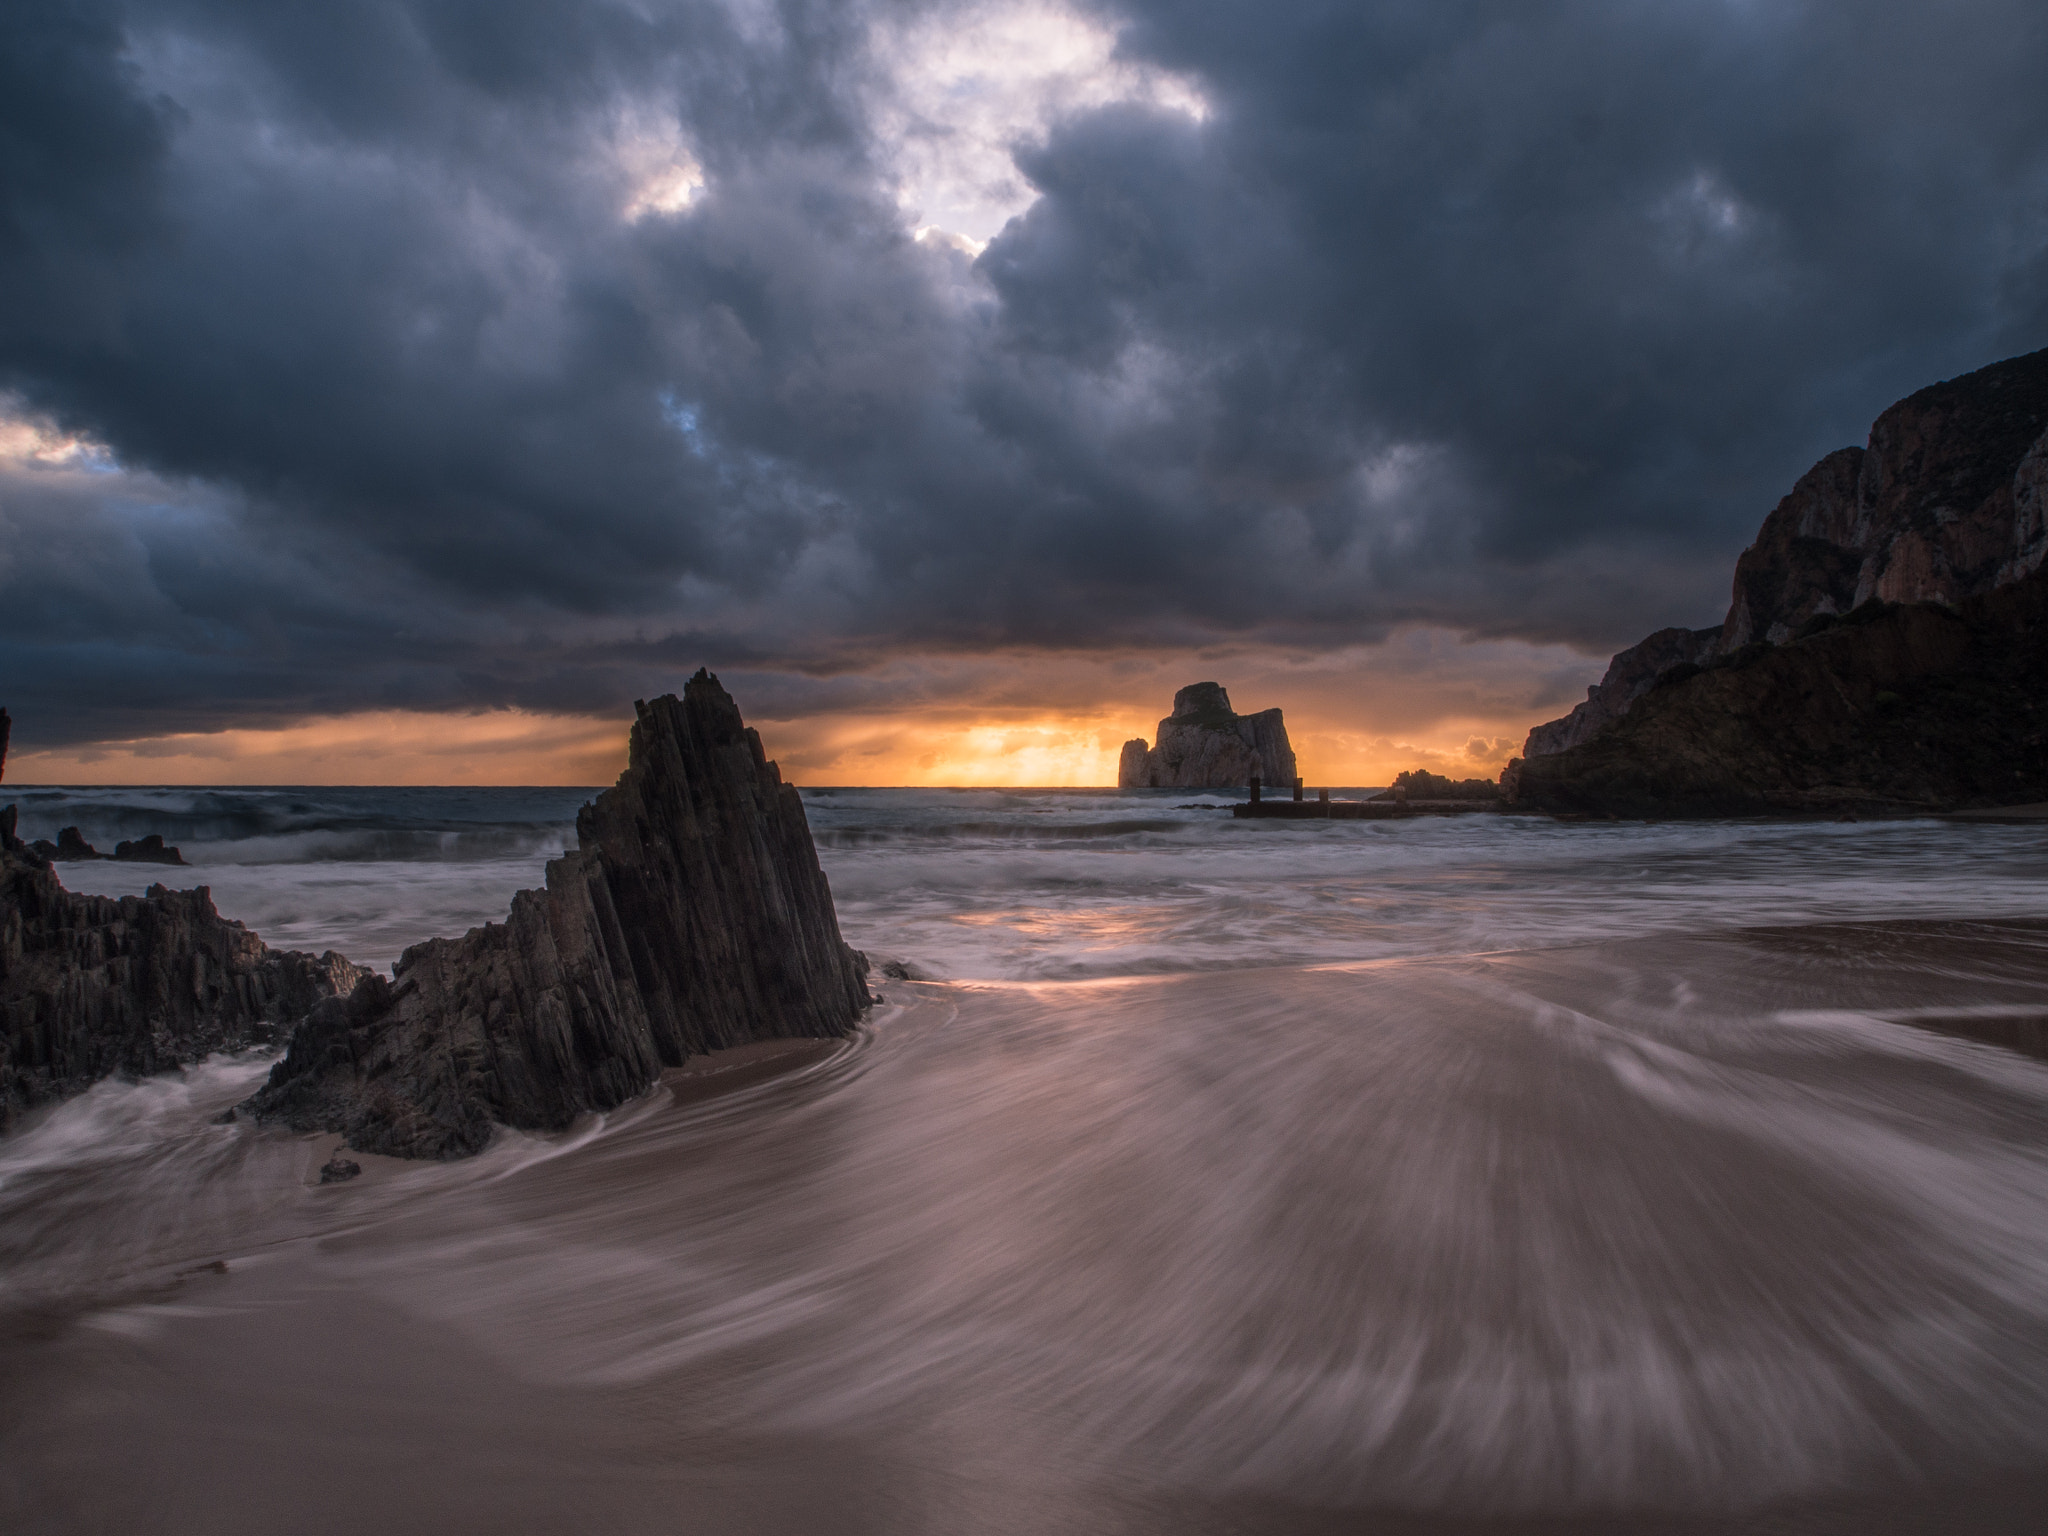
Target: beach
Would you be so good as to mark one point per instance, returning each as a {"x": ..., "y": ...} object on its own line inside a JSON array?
[{"x": 1194, "y": 1176}]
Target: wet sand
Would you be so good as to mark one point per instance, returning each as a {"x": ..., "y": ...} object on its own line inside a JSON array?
[{"x": 1687, "y": 1235}]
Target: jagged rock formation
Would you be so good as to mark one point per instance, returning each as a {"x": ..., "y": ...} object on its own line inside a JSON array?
[
  {"x": 92, "y": 985},
  {"x": 1204, "y": 745},
  {"x": 691, "y": 916},
  {"x": 1949, "y": 500},
  {"x": 1897, "y": 708}
]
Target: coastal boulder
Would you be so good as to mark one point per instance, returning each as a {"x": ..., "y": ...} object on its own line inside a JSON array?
[
  {"x": 691, "y": 916},
  {"x": 1203, "y": 744}
]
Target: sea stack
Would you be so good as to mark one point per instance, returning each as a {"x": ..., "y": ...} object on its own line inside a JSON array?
[
  {"x": 1203, "y": 744},
  {"x": 691, "y": 916},
  {"x": 94, "y": 985},
  {"x": 1883, "y": 648}
]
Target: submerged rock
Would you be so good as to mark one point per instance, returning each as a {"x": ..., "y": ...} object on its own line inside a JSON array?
[
  {"x": 691, "y": 916},
  {"x": 1203, "y": 744}
]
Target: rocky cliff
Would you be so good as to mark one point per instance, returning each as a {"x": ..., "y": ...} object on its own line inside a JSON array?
[
  {"x": 1897, "y": 708},
  {"x": 692, "y": 915},
  {"x": 1203, "y": 744},
  {"x": 1628, "y": 678},
  {"x": 1946, "y": 502},
  {"x": 93, "y": 985}
]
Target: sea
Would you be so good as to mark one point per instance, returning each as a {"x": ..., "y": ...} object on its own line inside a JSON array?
[{"x": 1448, "y": 1174}]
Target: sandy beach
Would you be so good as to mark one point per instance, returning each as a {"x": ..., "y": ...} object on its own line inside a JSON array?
[{"x": 1713, "y": 1234}]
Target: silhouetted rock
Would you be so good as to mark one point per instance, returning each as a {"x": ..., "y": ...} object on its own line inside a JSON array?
[
  {"x": 1420, "y": 784},
  {"x": 93, "y": 985},
  {"x": 148, "y": 850},
  {"x": 1204, "y": 745},
  {"x": 1898, "y": 708},
  {"x": 1949, "y": 500},
  {"x": 691, "y": 916},
  {"x": 72, "y": 847},
  {"x": 339, "y": 1170},
  {"x": 1628, "y": 678}
]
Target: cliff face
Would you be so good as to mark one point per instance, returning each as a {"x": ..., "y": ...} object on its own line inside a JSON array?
[
  {"x": 91, "y": 985},
  {"x": 1898, "y": 708},
  {"x": 691, "y": 916},
  {"x": 1949, "y": 500},
  {"x": 1945, "y": 502},
  {"x": 1204, "y": 745}
]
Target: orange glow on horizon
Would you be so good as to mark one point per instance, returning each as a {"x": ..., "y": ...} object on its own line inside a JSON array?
[
  {"x": 509, "y": 747},
  {"x": 377, "y": 747},
  {"x": 1422, "y": 699}
]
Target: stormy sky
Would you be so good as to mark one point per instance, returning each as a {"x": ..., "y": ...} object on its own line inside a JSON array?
[{"x": 937, "y": 368}]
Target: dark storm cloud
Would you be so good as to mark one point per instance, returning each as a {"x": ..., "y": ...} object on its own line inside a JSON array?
[{"x": 1506, "y": 317}]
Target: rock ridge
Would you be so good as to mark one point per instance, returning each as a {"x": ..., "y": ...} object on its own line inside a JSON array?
[
  {"x": 1204, "y": 744},
  {"x": 91, "y": 986},
  {"x": 692, "y": 915}
]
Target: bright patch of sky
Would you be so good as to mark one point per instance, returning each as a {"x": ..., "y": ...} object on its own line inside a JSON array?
[
  {"x": 965, "y": 87},
  {"x": 29, "y": 442},
  {"x": 662, "y": 176}
]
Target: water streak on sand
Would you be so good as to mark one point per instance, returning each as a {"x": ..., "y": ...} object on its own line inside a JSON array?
[{"x": 1222, "y": 1173}]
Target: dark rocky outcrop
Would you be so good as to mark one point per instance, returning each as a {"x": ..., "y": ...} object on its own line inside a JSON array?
[
  {"x": 1897, "y": 708},
  {"x": 691, "y": 916},
  {"x": 1628, "y": 678},
  {"x": 1949, "y": 500},
  {"x": 94, "y": 985},
  {"x": 1204, "y": 745},
  {"x": 72, "y": 848},
  {"x": 1419, "y": 784},
  {"x": 147, "y": 850}
]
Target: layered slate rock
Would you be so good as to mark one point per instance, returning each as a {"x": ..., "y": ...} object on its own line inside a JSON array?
[
  {"x": 1948, "y": 501},
  {"x": 691, "y": 916},
  {"x": 1895, "y": 709},
  {"x": 1204, "y": 744},
  {"x": 91, "y": 986}
]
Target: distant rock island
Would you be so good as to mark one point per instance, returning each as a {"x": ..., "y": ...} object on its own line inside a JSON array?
[
  {"x": 1883, "y": 650},
  {"x": 1203, "y": 744}
]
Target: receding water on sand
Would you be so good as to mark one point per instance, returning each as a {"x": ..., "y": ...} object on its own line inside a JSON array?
[{"x": 1478, "y": 1174}]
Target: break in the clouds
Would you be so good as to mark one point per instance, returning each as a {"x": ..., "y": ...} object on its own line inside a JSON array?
[{"x": 442, "y": 354}]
